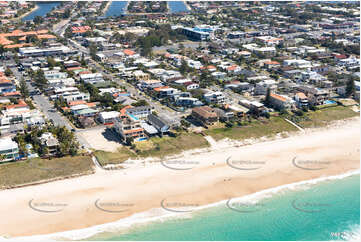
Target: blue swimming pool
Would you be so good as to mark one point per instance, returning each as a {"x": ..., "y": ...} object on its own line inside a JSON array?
[{"x": 329, "y": 102}]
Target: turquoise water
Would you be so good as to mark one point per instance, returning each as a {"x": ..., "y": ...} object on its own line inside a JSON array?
[
  {"x": 116, "y": 8},
  {"x": 177, "y": 6},
  {"x": 314, "y": 212},
  {"x": 43, "y": 9},
  {"x": 330, "y": 102}
]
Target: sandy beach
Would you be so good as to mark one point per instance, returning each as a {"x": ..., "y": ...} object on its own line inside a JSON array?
[{"x": 196, "y": 178}]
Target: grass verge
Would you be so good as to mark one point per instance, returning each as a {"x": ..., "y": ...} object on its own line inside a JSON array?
[
  {"x": 107, "y": 158},
  {"x": 322, "y": 117},
  {"x": 161, "y": 147},
  {"x": 256, "y": 129},
  {"x": 13, "y": 174}
]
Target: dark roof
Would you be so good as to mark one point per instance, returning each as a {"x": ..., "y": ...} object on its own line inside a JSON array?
[{"x": 156, "y": 121}]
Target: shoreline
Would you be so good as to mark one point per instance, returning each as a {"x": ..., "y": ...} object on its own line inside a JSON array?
[
  {"x": 187, "y": 6},
  {"x": 147, "y": 217},
  {"x": 158, "y": 182},
  {"x": 106, "y": 7},
  {"x": 26, "y": 14}
]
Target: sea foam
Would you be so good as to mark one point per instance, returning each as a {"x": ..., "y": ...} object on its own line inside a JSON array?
[{"x": 160, "y": 215}]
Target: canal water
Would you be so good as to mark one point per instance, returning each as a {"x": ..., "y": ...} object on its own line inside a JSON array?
[
  {"x": 117, "y": 8},
  {"x": 43, "y": 9}
]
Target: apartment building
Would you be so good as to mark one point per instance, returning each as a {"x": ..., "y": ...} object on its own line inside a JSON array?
[
  {"x": 215, "y": 97},
  {"x": 129, "y": 127}
]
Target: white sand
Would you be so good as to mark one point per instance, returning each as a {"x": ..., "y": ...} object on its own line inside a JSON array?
[{"x": 210, "y": 180}]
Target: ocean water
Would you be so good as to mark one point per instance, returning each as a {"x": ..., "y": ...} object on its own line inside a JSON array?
[{"x": 326, "y": 210}]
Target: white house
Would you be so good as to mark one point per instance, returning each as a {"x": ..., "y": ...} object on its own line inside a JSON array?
[
  {"x": 108, "y": 117},
  {"x": 9, "y": 149}
]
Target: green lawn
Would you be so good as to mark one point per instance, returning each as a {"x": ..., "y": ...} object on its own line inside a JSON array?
[
  {"x": 255, "y": 129},
  {"x": 160, "y": 147},
  {"x": 324, "y": 116},
  {"x": 31, "y": 171},
  {"x": 121, "y": 155}
]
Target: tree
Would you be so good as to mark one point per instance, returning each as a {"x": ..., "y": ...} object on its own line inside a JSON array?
[
  {"x": 51, "y": 62},
  {"x": 350, "y": 87},
  {"x": 8, "y": 72},
  {"x": 129, "y": 141},
  {"x": 141, "y": 102},
  {"x": 2, "y": 50},
  {"x": 93, "y": 51},
  {"x": 184, "y": 67},
  {"x": 40, "y": 78},
  {"x": 24, "y": 88},
  {"x": 267, "y": 101},
  {"x": 38, "y": 20}
]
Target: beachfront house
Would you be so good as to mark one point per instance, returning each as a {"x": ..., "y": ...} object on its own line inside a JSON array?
[
  {"x": 129, "y": 128},
  {"x": 9, "y": 149},
  {"x": 204, "y": 114}
]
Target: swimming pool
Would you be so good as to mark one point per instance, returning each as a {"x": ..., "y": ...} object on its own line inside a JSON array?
[
  {"x": 142, "y": 139},
  {"x": 329, "y": 102}
]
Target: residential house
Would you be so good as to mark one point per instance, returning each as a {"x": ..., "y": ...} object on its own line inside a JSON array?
[
  {"x": 9, "y": 149},
  {"x": 204, "y": 114},
  {"x": 301, "y": 100},
  {"x": 86, "y": 122},
  {"x": 158, "y": 123},
  {"x": 50, "y": 142},
  {"x": 280, "y": 101},
  {"x": 108, "y": 117},
  {"x": 215, "y": 97},
  {"x": 140, "y": 112},
  {"x": 92, "y": 78},
  {"x": 316, "y": 96}
]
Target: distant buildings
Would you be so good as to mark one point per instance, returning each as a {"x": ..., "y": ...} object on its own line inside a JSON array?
[{"x": 198, "y": 33}]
